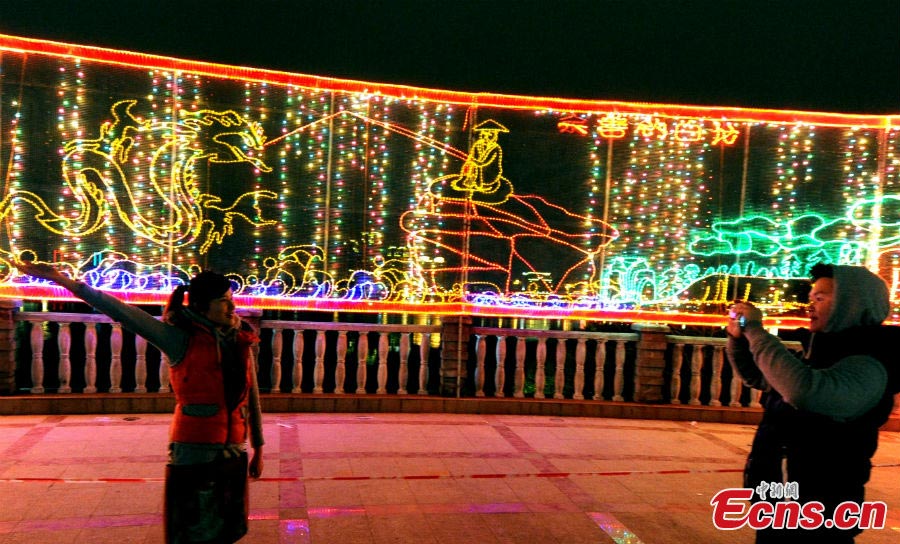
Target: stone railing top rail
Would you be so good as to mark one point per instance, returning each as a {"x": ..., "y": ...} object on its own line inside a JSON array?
[
  {"x": 528, "y": 333},
  {"x": 792, "y": 345},
  {"x": 356, "y": 327},
  {"x": 64, "y": 317},
  {"x": 61, "y": 317}
]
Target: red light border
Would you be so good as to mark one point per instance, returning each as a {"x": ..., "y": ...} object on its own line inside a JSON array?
[
  {"x": 407, "y": 92},
  {"x": 58, "y": 294}
]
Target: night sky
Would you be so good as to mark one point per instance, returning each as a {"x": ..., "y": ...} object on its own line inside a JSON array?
[{"x": 809, "y": 55}]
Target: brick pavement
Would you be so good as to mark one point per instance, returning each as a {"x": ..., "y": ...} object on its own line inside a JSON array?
[{"x": 423, "y": 478}]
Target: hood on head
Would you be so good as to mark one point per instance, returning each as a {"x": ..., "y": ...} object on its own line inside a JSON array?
[{"x": 860, "y": 299}]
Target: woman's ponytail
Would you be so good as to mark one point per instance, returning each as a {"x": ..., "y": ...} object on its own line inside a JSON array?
[{"x": 175, "y": 305}]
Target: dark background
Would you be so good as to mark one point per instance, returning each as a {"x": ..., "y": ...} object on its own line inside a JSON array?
[{"x": 821, "y": 55}]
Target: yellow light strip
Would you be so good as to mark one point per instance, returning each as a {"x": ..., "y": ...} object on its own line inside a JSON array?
[{"x": 54, "y": 293}]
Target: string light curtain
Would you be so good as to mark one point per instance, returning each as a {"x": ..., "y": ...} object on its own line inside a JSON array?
[{"x": 133, "y": 172}]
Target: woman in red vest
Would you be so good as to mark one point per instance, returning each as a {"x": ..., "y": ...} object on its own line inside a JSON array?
[{"x": 216, "y": 401}]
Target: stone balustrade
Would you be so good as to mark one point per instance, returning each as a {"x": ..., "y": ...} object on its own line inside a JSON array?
[
  {"x": 305, "y": 357},
  {"x": 697, "y": 347},
  {"x": 300, "y": 357},
  {"x": 369, "y": 342},
  {"x": 565, "y": 345}
]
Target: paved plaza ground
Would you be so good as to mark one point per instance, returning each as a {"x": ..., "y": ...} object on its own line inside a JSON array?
[{"x": 418, "y": 478}]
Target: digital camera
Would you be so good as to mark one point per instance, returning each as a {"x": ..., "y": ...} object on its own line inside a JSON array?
[{"x": 742, "y": 321}]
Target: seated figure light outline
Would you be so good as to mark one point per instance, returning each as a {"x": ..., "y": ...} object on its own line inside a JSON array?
[{"x": 481, "y": 225}]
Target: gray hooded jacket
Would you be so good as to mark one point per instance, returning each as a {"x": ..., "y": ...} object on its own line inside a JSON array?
[{"x": 844, "y": 391}]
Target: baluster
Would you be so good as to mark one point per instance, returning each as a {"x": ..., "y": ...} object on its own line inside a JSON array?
[
  {"x": 539, "y": 378},
  {"x": 735, "y": 391},
  {"x": 275, "y": 371},
  {"x": 559, "y": 376},
  {"x": 519, "y": 377},
  {"x": 580, "y": 354},
  {"x": 696, "y": 365},
  {"x": 755, "y": 395},
  {"x": 424, "y": 350},
  {"x": 599, "y": 369},
  {"x": 90, "y": 358},
  {"x": 140, "y": 364},
  {"x": 319, "y": 370},
  {"x": 164, "y": 364},
  {"x": 362, "y": 353},
  {"x": 37, "y": 357},
  {"x": 403, "y": 377},
  {"x": 560, "y": 358},
  {"x": 383, "y": 348},
  {"x": 64, "y": 341},
  {"x": 340, "y": 371},
  {"x": 115, "y": 363},
  {"x": 480, "y": 353},
  {"x": 500, "y": 372},
  {"x": 636, "y": 382},
  {"x": 716, "y": 385},
  {"x": 677, "y": 358},
  {"x": 619, "y": 379},
  {"x": 297, "y": 369}
]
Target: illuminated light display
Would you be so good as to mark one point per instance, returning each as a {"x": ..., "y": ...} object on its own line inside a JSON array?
[
  {"x": 573, "y": 124},
  {"x": 132, "y": 172},
  {"x": 615, "y": 126},
  {"x": 97, "y": 177},
  {"x": 491, "y": 233}
]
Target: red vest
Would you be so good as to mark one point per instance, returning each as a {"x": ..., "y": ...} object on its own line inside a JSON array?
[{"x": 199, "y": 386}]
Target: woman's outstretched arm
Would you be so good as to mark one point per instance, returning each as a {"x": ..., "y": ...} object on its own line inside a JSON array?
[{"x": 168, "y": 339}]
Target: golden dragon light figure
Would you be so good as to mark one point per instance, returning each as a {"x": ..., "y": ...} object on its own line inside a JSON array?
[{"x": 96, "y": 173}]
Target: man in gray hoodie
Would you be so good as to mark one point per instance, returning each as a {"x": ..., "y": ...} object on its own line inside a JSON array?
[{"x": 822, "y": 413}]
